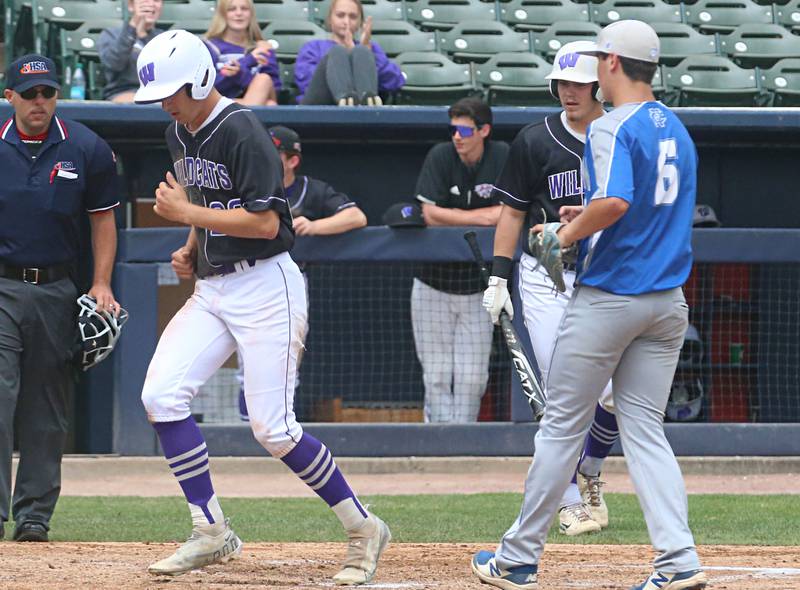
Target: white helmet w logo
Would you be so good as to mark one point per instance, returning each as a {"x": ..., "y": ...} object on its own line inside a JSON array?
[
  {"x": 170, "y": 61},
  {"x": 572, "y": 66}
]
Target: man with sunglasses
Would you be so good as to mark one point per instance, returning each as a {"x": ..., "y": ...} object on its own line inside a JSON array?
[
  {"x": 452, "y": 334},
  {"x": 543, "y": 173},
  {"x": 54, "y": 172}
]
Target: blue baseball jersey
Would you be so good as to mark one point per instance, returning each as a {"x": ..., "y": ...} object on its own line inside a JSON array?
[{"x": 641, "y": 153}]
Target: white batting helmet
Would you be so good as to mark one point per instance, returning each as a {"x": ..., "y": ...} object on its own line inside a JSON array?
[
  {"x": 170, "y": 61},
  {"x": 572, "y": 65}
]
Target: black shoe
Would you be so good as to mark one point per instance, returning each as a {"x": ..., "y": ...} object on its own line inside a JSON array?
[
  {"x": 2, "y": 530},
  {"x": 31, "y": 531}
]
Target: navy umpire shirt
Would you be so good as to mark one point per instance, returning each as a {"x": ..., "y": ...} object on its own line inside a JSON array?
[{"x": 45, "y": 192}]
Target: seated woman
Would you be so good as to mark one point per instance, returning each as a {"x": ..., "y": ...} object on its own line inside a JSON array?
[
  {"x": 349, "y": 68},
  {"x": 247, "y": 70}
]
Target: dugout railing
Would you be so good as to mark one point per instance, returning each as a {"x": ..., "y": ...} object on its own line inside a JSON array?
[{"x": 745, "y": 305}]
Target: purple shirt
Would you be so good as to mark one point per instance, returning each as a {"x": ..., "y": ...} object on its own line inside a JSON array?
[
  {"x": 223, "y": 52},
  {"x": 390, "y": 78}
]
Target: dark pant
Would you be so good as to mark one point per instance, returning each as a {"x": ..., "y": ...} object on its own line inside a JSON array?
[
  {"x": 343, "y": 73},
  {"x": 37, "y": 331}
]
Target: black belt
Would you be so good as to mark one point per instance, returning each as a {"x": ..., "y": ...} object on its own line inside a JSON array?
[
  {"x": 35, "y": 275},
  {"x": 230, "y": 267}
]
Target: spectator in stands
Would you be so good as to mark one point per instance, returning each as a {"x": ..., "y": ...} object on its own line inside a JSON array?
[
  {"x": 317, "y": 208},
  {"x": 452, "y": 336},
  {"x": 349, "y": 68},
  {"x": 119, "y": 48},
  {"x": 247, "y": 69}
]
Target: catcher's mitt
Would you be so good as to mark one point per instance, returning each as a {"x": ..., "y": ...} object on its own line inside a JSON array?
[{"x": 547, "y": 250}]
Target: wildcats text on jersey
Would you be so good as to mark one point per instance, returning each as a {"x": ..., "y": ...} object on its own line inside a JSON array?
[
  {"x": 203, "y": 173},
  {"x": 564, "y": 184}
]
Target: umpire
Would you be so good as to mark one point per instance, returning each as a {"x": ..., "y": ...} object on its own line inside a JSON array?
[{"x": 54, "y": 172}]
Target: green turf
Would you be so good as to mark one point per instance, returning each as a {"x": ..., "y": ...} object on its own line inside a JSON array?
[{"x": 715, "y": 519}]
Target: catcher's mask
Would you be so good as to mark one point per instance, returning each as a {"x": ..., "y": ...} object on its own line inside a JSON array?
[{"x": 98, "y": 332}]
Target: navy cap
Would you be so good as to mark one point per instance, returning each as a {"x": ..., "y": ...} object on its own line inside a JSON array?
[
  {"x": 285, "y": 139},
  {"x": 31, "y": 70},
  {"x": 404, "y": 215}
]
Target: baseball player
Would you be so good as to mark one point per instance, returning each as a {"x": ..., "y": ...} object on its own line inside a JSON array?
[
  {"x": 452, "y": 334},
  {"x": 317, "y": 209},
  {"x": 543, "y": 173},
  {"x": 625, "y": 321},
  {"x": 249, "y": 297}
]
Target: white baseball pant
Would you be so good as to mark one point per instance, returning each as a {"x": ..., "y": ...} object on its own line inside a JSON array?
[
  {"x": 453, "y": 335},
  {"x": 259, "y": 311}
]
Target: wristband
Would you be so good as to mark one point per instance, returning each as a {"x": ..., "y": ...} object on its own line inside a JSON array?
[{"x": 501, "y": 267}]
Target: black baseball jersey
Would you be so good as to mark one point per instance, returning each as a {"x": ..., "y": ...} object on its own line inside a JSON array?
[
  {"x": 231, "y": 162},
  {"x": 315, "y": 199},
  {"x": 448, "y": 182},
  {"x": 543, "y": 171}
]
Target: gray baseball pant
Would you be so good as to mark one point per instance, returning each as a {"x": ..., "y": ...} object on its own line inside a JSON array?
[{"x": 635, "y": 341}]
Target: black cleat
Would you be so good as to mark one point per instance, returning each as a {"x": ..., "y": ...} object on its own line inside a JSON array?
[{"x": 31, "y": 531}]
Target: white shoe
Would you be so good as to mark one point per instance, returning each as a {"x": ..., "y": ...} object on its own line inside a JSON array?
[
  {"x": 363, "y": 552},
  {"x": 200, "y": 549},
  {"x": 575, "y": 519},
  {"x": 592, "y": 495}
]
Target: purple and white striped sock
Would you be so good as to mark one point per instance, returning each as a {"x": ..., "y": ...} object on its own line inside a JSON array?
[
  {"x": 313, "y": 463},
  {"x": 187, "y": 455},
  {"x": 601, "y": 438}
]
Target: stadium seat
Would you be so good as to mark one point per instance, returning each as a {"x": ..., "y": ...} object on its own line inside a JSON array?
[
  {"x": 287, "y": 37},
  {"x": 659, "y": 88},
  {"x": 478, "y": 40},
  {"x": 549, "y": 41},
  {"x": 679, "y": 41},
  {"x": 537, "y": 15},
  {"x": 515, "y": 79},
  {"x": 196, "y": 26},
  {"x": 788, "y": 15},
  {"x": 377, "y": 9},
  {"x": 444, "y": 14},
  {"x": 194, "y": 10},
  {"x": 50, "y": 16},
  {"x": 396, "y": 36},
  {"x": 288, "y": 90},
  {"x": 267, "y": 12},
  {"x": 711, "y": 80},
  {"x": 83, "y": 40},
  {"x": 759, "y": 45},
  {"x": 432, "y": 79},
  {"x": 783, "y": 81},
  {"x": 726, "y": 15},
  {"x": 80, "y": 45},
  {"x": 652, "y": 11}
]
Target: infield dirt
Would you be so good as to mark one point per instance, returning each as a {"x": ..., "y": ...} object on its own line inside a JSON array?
[{"x": 105, "y": 566}]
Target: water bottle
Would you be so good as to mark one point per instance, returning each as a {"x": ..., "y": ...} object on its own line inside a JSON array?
[{"x": 77, "y": 90}]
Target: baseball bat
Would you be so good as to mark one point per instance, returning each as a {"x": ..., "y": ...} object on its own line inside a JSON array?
[{"x": 527, "y": 369}]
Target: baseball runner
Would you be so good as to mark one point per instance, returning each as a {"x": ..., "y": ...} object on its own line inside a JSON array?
[
  {"x": 249, "y": 297},
  {"x": 626, "y": 318},
  {"x": 543, "y": 173}
]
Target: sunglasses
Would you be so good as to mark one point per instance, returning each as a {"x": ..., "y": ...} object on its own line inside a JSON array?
[
  {"x": 463, "y": 130},
  {"x": 31, "y": 93}
]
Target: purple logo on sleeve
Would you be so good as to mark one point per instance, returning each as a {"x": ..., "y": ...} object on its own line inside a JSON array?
[{"x": 147, "y": 73}]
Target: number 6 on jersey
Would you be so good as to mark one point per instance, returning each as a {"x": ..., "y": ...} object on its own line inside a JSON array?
[{"x": 668, "y": 180}]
